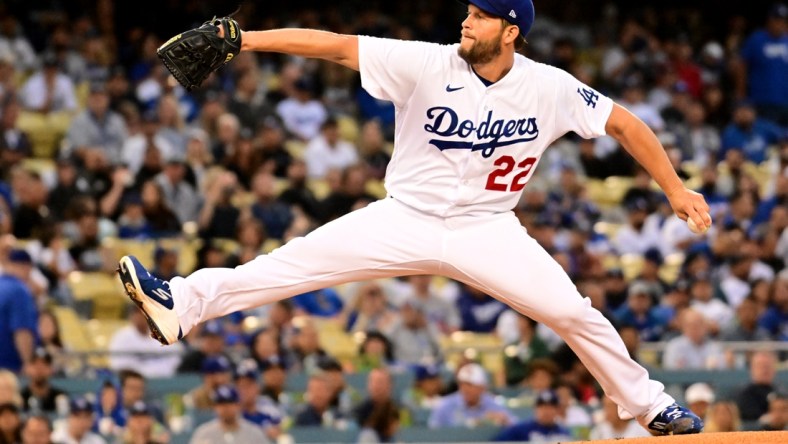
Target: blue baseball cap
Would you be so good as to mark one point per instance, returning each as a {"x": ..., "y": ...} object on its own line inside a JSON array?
[
  {"x": 20, "y": 256},
  {"x": 547, "y": 397},
  {"x": 139, "y": 408},
  {"x": 247, "y": 369},
  {"x": 517, "y": 12},
  {"x": 216, "y": 364},
  {"x": 80, "y": 405},
  {"x": 224, "y": 394},
  {"x": 212, "y": 328},
  {"x": 423, "y": 372}
]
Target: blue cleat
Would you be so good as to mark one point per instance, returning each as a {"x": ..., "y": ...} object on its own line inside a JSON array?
[
  {"x": 153, "y": 297},
  {"x": 675, "y": 420}
]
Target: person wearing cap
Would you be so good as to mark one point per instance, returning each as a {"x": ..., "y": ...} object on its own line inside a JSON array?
[
  {"x": 216, "y": 371},
  {"x": 18, "y": 312},
  {"x": 613, "y": 427},
  {"x": 427, "y": 388},
  {"x": 762, "y": 68},
  {"x": 39, "y": 395},
  {"x": 211, "y": 342},
  {"x": 699, "y": 396},
  {"x": 639, "y": 311},
  {"x": 229, "y": 425},
  {"x": 179, "y": 194},
  {"x": 271, "y": 143},
  {"x": 149, "y": 138},
  {"x": 328, "y": 151},
  {"x": 750, "y": 133},
  {"x": 302, "y": 114},
  {"x": 472, "y": 405},
  {"x": 717, "y": 313},
  {"x": 253, "y": 407},
  {"x": 132, "y": 348},
  {"x": 142, "y": 427},
  {"x": 165, "y": 263},
  {"x": 77, "y": 428},
  {"x": 414, "y": 339},
  {"x": 636, "y": 236},
  {"x": 49, "y": 90},
  {"x": 97, "y": 127},
  {"x": 543, "y": 427},
  {"x": 14, "y": 143}
]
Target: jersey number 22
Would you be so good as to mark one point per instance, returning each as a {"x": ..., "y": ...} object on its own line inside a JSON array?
[{"x": 497, "y": 180}]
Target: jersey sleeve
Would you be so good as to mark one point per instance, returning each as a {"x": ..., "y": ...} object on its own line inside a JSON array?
[
  {"x": 391, "y": 69},
  {"x": 580, "y": 108}
]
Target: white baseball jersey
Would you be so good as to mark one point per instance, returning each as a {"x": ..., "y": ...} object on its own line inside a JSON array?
[{"x": 462, "y": 147}]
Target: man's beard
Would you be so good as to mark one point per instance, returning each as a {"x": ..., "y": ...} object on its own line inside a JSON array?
[{"x": 481, "y": 51}]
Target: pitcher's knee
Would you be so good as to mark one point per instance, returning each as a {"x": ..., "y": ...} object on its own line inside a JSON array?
[{"x": 570, "y": 316}]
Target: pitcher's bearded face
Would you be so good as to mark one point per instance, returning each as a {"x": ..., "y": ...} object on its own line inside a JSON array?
[{"x": 476, "y": 51}]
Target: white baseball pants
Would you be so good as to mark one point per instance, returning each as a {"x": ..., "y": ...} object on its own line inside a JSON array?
[{"x": 387, "y": 239}]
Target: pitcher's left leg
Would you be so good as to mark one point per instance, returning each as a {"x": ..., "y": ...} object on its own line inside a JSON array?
[{"x": 496, "y": 255}]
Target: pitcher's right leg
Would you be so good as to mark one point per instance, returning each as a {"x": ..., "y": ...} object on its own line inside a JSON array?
[{"x": 385, "y": 239}]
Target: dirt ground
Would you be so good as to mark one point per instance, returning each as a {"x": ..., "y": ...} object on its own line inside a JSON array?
[{"x": 708, "y": 438}]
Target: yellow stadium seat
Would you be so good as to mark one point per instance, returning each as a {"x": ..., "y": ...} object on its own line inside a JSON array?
[
  {"x": 348, "y": 128},
  {"x": 103, "y": 290},
  {"x": 270, "y": 245},
  {"x": 376, "y": 188},
  {"x": 296, "y": 148},
  {"x": 319, "y": 187},
  {"x": 100, "y": 331},
  {"x": 72, "y": 334},
  {"x": 671, "y": 267},
  {"x": 608, "y": 229},
  {"x": 142, "y": 249},
  {"x": 45, "y": 131},
  {"x": 631, "y": 265}
]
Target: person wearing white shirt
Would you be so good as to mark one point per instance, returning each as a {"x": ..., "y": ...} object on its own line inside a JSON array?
[
  {"x": 717, "y": 313},
  {"x": 133, "y": 348},
  {"x": 76, "y": 428},
  {"x": 49, "y": 90},
  {"x": 693, "y": 350},
  {"x": 301, "y": 114},
  {"x": 327, "y": 151},
  {"x": 637, "y": 236}
]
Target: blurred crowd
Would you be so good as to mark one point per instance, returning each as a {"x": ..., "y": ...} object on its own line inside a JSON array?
[{"x": 99, "y": 144}]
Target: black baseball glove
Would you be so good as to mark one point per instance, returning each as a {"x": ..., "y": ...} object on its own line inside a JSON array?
[{"x": 193, "y": 55}]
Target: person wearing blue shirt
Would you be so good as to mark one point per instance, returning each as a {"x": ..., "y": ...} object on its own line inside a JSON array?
[
  {"x": 543, "y": 427},
  {"x": 325, "y": 302},
  {"x": 18, "y": 313},
  {"x": 478, "y": 312},
  {"x": 748, "y": 133},
  {"x": 775, "y": 319},
  {"x": 765, "y": 56},
  {"x": 471, "y": 405},
  {"x": 640, "y": 313},
  {"x": 253, "y": 408}
]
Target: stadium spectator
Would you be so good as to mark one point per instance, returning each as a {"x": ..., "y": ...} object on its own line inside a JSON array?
[
  {"x": 218, "y": 216},
  {"x": 142, "y": 427},
  {"x": 375, "y": 352},
  {"x": 379, "y": 397},
  {"x": 640, "y": 313},
  {"x": 132, "y": 388},
  {"x": 693, "y": 349},
  {"x": 761, "y": 69},
  {"x": 162, "y": 219},
  {"x": 518, "y": 355},
  {"x": 381, "y": 425},
  {"x": 274, "y": 378},
  {"x": 438, "y": 311},
  {"x": 744, "y": 327},
  {"x": 209, "y": 343},
  {"x": 253, "y": 409},
  {"x": 636, "y": 236},
  {"x": 543, "y": 427},
  {"x": 275, "y": 216},
  {"x": 37, "y": 429},
  {"x": 369, "y": 310},
  {"x": 10, "y": 423},
  {"x": 49, "y": 338},
  {"x": 748, "y": 133},
  {"x": 306, "y": 352},
  {"x": 216, "y": 371},
  {"x": 343, "y": 396},
  {"x": 775, "y": 319},
  {"x": 414, "y": 339},
  {"x": 350, "y": 195},
  {"x": 372, "y": 146},
  {"x": 317, "y": 411},
  {"x": 76, "y": 429},
  {"x": 149, "y": 138},
  {"x": 776, "y": 418},
  {"x": 427, "y": 388},
  {"x": 133, "y": 348},
  {"x": 40, "y": 395},
  {"x": 14, "y": 143},
  {"x": 49, "y": 90},
  {"x": 297, "y": 194},
  {"x": 324, "y": 302},
  {"x": 328, "y": 151},
  {"x": 229, "y": 423},
  {"x": 31, "y": 212},
  {"x": 613, "y": 427},
  {"x": 472, "y": 405},
  {"x": 753, "y": 399},
  {"x": 302, "y": 114},
  {"x": 18, "y": 324},
  {"x": 717, "y": 313},
  {"x": 478, "y": 312},
  {"x": 723, "y": 416},
  {"x": 97, "y": 128},
  {"x": 699, "y": 397},
  {"x": 179, "y": 194}
]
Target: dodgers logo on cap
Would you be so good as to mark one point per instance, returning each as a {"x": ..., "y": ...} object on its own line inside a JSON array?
[{"x": 517, "y": 12}]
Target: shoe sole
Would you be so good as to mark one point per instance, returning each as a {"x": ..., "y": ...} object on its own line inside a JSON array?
[
  {"x": 683, "y": 426},
  {"x": 130, "y": 285}
]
